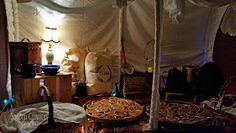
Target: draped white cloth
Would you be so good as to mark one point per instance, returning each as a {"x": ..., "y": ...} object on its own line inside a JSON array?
[
  {"x": 138, "y": 29},
  {"x": 228, "y": 24},
  {"x": 27, "y": 118},
  {"x": 212, "y": 3},
  {"x": 84, "y": 23},
  {"x": 95, "y": 24},
  {"x": 175, "y": 9}
]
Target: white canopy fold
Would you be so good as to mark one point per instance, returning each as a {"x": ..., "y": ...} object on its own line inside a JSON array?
[
  {"x": 212, "y": 3},
  {"x": 228, "y": 24},
  {"x": 95, "y": 24}
]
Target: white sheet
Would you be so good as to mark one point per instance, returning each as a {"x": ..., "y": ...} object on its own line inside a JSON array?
[
  {"x": 228, "y": 24},
  {"x": 211, "y": 3},
  {"x": 95, "y": 24}
]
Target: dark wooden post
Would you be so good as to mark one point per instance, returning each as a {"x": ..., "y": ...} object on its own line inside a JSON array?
[{"x": 3, "y": 53}]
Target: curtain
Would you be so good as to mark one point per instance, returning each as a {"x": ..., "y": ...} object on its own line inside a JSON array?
[{"x": 3, "y": 53}]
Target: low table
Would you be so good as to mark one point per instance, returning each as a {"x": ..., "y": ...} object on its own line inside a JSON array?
[{"x": 26, "y": 91}]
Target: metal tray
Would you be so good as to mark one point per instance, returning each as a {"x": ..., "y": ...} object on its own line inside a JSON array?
[
  {"x": 193, "y": 115},
  {"x": 115, "y": 120}
]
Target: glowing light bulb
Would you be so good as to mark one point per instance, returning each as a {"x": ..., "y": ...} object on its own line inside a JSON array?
[{"x": 5, "y": 101}]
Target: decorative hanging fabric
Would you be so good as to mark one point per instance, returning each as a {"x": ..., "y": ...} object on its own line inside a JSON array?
[{"x": 175, "y": 8}]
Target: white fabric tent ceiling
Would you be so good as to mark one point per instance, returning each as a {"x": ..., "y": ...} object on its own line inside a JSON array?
[{"x": 95, "y": 24}]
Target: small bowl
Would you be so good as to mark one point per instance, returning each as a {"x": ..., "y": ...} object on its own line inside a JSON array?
[{"x": 50, "y": 69}]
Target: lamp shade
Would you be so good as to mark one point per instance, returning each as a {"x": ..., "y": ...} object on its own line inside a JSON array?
[{"x": 50, "y": 35}]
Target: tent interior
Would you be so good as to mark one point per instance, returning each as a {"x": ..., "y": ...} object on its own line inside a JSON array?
[{"x": 112, "y": 45}]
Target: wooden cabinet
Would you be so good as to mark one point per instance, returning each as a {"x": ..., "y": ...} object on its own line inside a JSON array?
[
  {"x": 26, "y": 91},
  {"x": 23, "y": 53},
  {"x": 137, "y": 86}
]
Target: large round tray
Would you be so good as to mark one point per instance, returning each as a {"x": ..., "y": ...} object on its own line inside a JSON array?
[
  {"x": 179, "y": 112},
  {"x": 115, "y": 120},
  {"x": 193, "y": 115}
]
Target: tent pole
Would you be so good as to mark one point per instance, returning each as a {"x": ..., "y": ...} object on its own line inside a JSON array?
[{"x": 155, "y": 97}]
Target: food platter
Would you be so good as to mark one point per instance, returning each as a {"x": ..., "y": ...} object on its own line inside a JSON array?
[
  {"x": 118, "y": 110},
  {"x": 178, "y": 112},
  {"x": 113, "y": 110}
]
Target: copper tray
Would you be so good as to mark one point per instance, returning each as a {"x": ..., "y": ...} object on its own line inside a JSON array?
[{"x": 115, "y": 120}]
